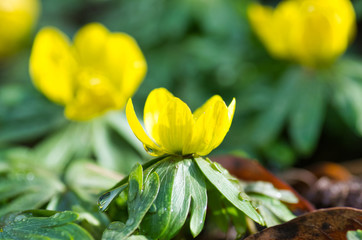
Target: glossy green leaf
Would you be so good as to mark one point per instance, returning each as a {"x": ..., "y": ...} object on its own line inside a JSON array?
[
  {"x": 354, "y": 235},
  {"x": 275, "y": 207},
  {"x": 307, "y": 113},
  {"x": 135, "y": 182},
  {"x": 140, "y": 199},
  {"x": 269, "y": 217},
  {"x": 189, "y": 186},
  {"x": 57, "y": 226},
  {"x": 107, "y": 197},
  {"x": 179, "y": 202},
  {"x": 197, "y": 189},
  {"x": 228, "y": 189},
  {"x": 267, "y": 189},
  {"x": 156, "y": 222},
  {"x": 91, "y": 219},
  {"x": 137, "y": 237},
  {"x": 182, "y": 185}
]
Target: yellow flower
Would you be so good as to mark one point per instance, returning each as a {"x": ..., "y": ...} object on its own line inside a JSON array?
[
  {"x": 17, "y": 18},
  {"x": 311, "y": 32},
  {"x": 175, "y": 130},
  {"x": 95, "y": 74}
]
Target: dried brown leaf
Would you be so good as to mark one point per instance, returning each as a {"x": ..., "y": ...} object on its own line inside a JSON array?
[{"x": 325, "y": 224}]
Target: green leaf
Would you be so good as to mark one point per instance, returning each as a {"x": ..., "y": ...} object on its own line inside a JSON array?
[
  {"x": 135, "y": 182},
  {"x": 88, "y": 179},
  {"x": 269, "y": 217},
  {"x": 267, "y": 189},
  {"x": 281, "y": 153},
  {"x": 354, "y": 235},
  {"x": 118, "y": 122},
  {"x": 69, "y": 142},
  {"x": 228, "y": 189},
  {"x": 25, "y": 114},
  {"x": 107, "y": 197},
  {"x": 92, "y": 220},
  {"x": 58, "y": 226},
  {"x": 111, "y": 149},
  {"x": 347, "y": 99},
  {"x": 349, "y": 67},
  {"x": 219, "y": 214},
  {"x": 180, "y": 200},
  {"x": 182, "y": 185},
  {"x": 307, "y": 113},
  {"x": 27, "y": 187},
  {"x": 275, "y": 207},
  {"x": 271, "y": 120},
  {"x": 237, "y": 217},
  {"x": 155, "y": 223},
  {"x": 139, "y": 202},
  {"x": 197, "y": 189},
  {"x": 137, "y": 237}
]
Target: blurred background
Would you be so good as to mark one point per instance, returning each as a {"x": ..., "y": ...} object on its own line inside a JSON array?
[{"x": 196, "y": 49}]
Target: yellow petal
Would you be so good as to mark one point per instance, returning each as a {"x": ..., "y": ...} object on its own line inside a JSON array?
[
  {"x": 89, "y": 44},
  {"x": 201, "y": 137},
  {"x": 231, "y": 110},
  {"x": 124, "y": 63},
  {"x": 175, "y": 126},
  {"x": 222, "y": 124},
  {"x": 324, "y": 31},
  {"x": 270, "y": 28},
  {"x": 17, "y": 19},
  {"x": 207, "y": 105},
  {"x": 52, "y": 65},
  {"x": 156, "y": 101},
  {"x": 284, "y": 21},
  {"x": 211, "y": 125},
  {"x": 140, "y": 133},
  {"x": 90, "y": 87}
]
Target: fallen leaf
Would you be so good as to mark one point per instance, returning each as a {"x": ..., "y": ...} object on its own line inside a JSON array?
[
  {"x": 327, "y": 185},
  {"x": 331, "y": 193},
  {"x": 325, "y": 224},
  {"x": 331, "y": 170}
]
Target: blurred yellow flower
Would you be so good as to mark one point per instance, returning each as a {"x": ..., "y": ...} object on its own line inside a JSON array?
[
  {"x": 175, "y": 130},
  {"x": 95, "y": 74},
  {"x": 17, "y": 18},
  {"x": 311, "y": 32}
]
